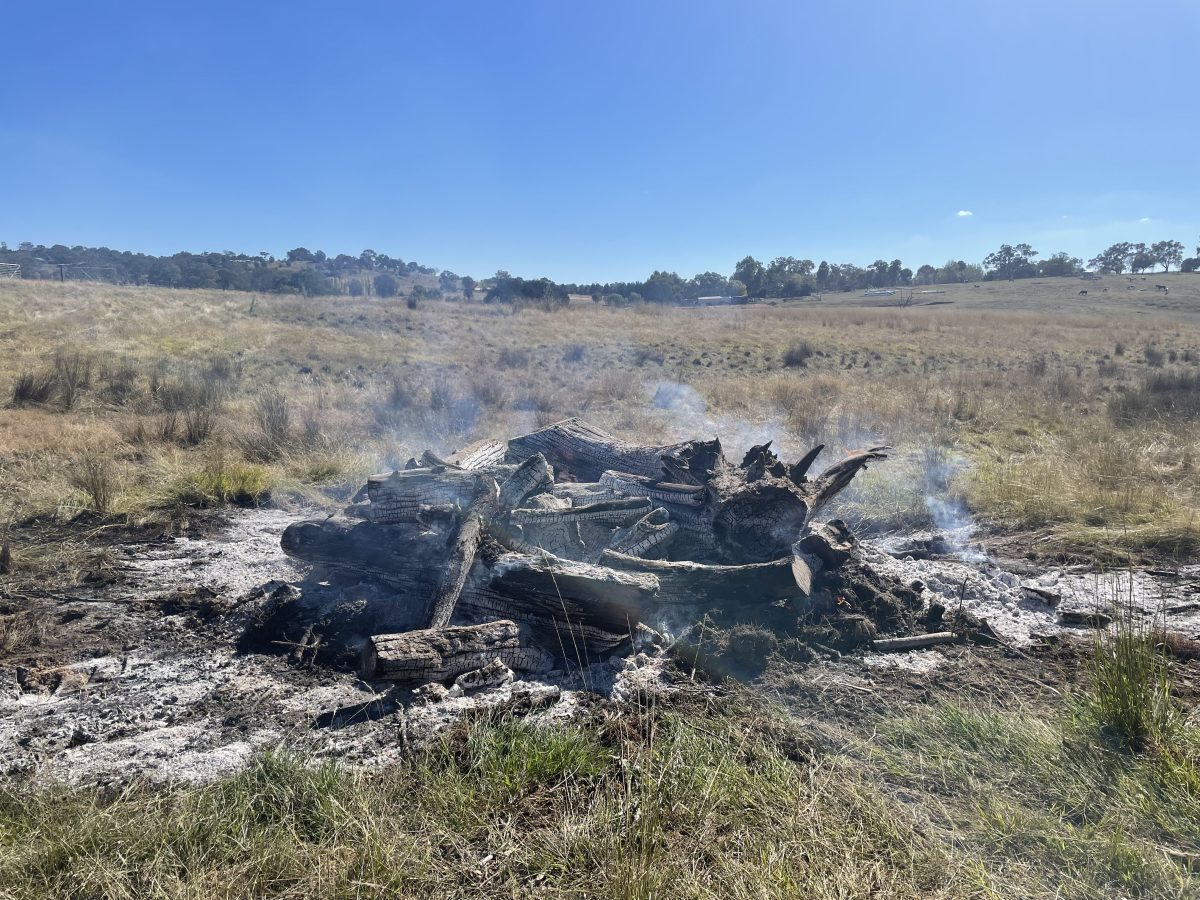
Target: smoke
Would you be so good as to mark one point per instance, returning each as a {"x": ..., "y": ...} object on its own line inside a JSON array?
[
  {"x": 947, "y": 510},
  {"x": 682, "y": 399},
  {"x": 954, "y": 520},
  {"x": 688, "y": 415}
]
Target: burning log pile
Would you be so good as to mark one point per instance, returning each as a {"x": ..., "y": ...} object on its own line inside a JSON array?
[{"x": 565, "y": 544}]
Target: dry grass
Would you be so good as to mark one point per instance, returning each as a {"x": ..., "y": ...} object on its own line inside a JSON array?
[
  {"x": 1063, "y": 433},
  {"x": 1099, "y": 487},
  {"x": 93, "y": 475},
  {"x": 1048, "y": 808}
]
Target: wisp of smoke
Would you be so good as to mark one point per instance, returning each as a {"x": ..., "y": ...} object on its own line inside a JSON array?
[
  {"x": 949, "y": 513},
  {"x": 681, "y": 399},
  {"x": 688, "y": 412},
  {"x": 957, "y": 525}
]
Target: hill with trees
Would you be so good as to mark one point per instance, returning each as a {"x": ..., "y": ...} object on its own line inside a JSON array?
[{"x": 300, "y": 271}]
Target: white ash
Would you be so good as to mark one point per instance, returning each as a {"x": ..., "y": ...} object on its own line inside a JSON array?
[
  {"x": 1020, "y": 608},
  {"x": 917, "y": 662},
  {"x": 243, "y": 556},
  {"x": 179, "y": 703}
]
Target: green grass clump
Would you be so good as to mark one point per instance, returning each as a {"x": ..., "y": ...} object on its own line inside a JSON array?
[
  {"x": 700, "y": 808},
  {"x": 1130, "y": 698},
  {"x": 325, "y": 465},
  {"x": 217, "y": 482},
  {"x": 250, "y": 835},
  {"x": 517, "y": 759}
]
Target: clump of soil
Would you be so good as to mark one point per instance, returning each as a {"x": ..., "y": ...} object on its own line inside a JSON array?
[
  {"x": 854, "y": 603},
  {"x": 850, "y": 606}
]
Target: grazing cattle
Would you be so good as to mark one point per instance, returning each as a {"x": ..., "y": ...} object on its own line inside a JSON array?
[
  {"x": 1163, "y": 288},
  {"x": 1083, "y": 293}
]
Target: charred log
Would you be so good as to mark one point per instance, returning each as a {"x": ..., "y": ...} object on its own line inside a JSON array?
[
  {"x": 913, "y": 642},
  {"x": 401, "y": 496},
  {"x": 630, "y": 485},
  {"x": 696, "y": 584},
  {"x": 798, "y": 471},
  {"x": 462, "y": 553},
  {"x": 531, "y": 477},
  {"x": 441, "y": 654},
  {"x": 648, "y": 537},
  {"x": 577, "y": 449},
  {"x": 483, "y": 455},
  {"x": 563, "y": 602},
  {"x": 835, "y": 479},
  {"x": 615, "y": 512},
  {"x": 407, "y": 556}
]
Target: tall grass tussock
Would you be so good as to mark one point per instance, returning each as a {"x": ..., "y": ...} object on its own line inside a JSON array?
[{"x": 1131, "y": 698}]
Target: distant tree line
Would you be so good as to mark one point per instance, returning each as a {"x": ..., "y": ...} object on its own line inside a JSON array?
[
  {"x": 302, "y": 271},
  {"x": 787, "y": 276},
  {"x": 1141, "y": 258},
  {"x": 661, "y": 287},
  {"x": 1010, "y": 262}
]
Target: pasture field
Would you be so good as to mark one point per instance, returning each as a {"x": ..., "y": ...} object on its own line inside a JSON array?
[
  {"x": 1069, "y": 418},
  {"x": 1067, "y": 426}
]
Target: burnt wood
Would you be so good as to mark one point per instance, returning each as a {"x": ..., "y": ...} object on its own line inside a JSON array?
[
  {"x": 563, "y": 532},
  {"x": 442, "y": 654},
  {"x": 462, "y": 552},
  {"x": 697, "y": 584}
]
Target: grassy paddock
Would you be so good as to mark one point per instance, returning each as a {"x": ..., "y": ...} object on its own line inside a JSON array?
[{"x": 136, "y": 401}]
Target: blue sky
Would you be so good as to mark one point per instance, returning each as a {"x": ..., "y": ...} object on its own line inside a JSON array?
[{"x": 598, "y": 141}]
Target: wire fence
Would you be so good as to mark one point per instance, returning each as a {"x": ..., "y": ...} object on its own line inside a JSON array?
[
  {"x": 86, "y": 273},
  {"x": 10, "y": 270}
]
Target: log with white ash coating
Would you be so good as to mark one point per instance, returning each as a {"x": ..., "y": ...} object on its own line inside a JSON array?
[{"x": 573, "y": 539}]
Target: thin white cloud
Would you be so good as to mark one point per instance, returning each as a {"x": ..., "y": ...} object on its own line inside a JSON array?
[
  {"x": 1144, "y": 220},
  {"x": 963, "y": 213}
]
